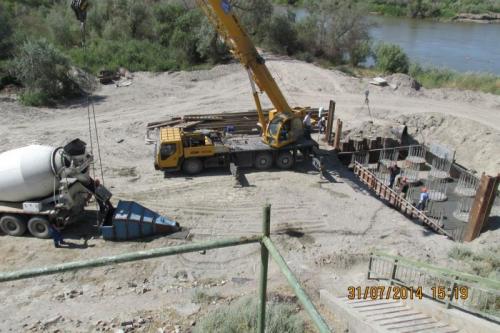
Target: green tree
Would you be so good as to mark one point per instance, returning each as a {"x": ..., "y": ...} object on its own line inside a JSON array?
[
  {"x": 139, "y": 20},
  {"x": 43, "y": 70},
  {"x": 359, "y": 52},
  {"x": 254, "y": 15},
  {"x": 339, "y": 28},
  {"x": 184, "y": 38},
  {"x": 6, "y": 32},
  {"x": 391, "y": 58},
  {"x": 64, "y": 29},
  {"x": 209, "y": 45},
  {"x": 282, "y": 35},
  {"x": 165, "y": 21}
]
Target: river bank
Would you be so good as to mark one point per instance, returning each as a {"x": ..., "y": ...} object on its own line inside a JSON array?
[
  {"x": 478, "y": 18},
  {"x": 467, "y": 11}
]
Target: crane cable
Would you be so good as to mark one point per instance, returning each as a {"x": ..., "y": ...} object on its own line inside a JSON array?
[{"x": 80, "y": 8}]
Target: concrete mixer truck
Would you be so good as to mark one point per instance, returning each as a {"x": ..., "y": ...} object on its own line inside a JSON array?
[{"x": 41, "y": 185}]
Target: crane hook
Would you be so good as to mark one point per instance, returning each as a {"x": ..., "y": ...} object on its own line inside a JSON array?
[{"x": 80, "y": 8}]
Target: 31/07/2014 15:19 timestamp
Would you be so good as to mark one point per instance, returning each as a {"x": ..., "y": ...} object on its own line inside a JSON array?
[{"x": 403, "y": 293}]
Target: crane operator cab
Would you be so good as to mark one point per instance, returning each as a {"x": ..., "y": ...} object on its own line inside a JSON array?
[{"x": 284, "y": 128}]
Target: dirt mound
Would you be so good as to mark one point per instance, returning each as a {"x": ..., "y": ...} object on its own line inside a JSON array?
[
  {"x": 402, "y": 81},
  {"x": 475, "y": 144}
]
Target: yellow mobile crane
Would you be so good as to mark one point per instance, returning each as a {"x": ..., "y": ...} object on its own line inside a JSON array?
[{"x": 282, "y": 139}]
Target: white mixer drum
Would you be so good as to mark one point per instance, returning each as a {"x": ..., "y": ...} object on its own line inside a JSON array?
[{"x": 28, "y": 173}]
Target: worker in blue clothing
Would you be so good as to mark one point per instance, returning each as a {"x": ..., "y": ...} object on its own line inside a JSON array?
[
  {"x": 56, "y": 235},
  {"x": 424, "y": 199}
]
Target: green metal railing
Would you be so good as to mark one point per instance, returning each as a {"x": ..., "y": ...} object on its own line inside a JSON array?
[
  {"x": 467, "y": 292},
  {"x": 267, "y": 247}
]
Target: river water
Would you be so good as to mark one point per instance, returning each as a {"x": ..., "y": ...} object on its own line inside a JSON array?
[
  {"x": 457, "y": 45},
  {"x": 465, "y": 47}
]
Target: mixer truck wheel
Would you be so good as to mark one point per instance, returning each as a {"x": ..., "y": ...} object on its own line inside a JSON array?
[
  {"x": 39, "y": 227},
  {"x": 13, "y": 225}
]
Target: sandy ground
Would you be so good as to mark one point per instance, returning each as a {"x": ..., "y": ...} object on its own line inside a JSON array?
[{"x": 338, "y": 223}]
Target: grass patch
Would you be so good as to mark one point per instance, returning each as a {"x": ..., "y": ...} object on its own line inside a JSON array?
[
  {"x": 446, "y": 78},
  {"x": 241, "y": 316},
  {"x": 135, "y": 55},
  {"x": 203, "y": 297},
  {"x": 36, "y": 98},
  {"x": 485, "y": 263}
]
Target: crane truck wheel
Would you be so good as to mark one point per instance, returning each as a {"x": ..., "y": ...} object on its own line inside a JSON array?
[
  {"x": 13, "y": 225},
  {"x": 263, "y": 161},
  {"x": 284, "y": 160},
  {"x": 192, "y": 166},
  {"x": 39, "y": 227}
]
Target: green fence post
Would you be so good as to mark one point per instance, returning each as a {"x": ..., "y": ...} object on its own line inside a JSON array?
[
  {"x": 394, "y": 269},
  {"x": 264, "y": 259},
  {"x": 318, "y": 321},
  {"x": 370, "y": 264}
]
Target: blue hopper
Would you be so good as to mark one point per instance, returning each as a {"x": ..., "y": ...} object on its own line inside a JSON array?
[{"x": 132, "y": 221}]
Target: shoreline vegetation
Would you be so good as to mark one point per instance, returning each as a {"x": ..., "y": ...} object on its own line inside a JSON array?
[
  {"x": 164, "y": 36},
  {"x": 477, "y": 11}
]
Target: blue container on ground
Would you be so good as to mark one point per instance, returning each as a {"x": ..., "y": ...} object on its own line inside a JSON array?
[{"x": 132, "y": 220}]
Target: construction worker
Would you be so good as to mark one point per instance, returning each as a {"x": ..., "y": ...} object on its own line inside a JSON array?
[
  {"x": 321, "y": 124},
  {"x": 424, "y": 198},
  {"x": 404, "y": 186},
  {"x": 56, "y": 235},
  {"x": 394, "y": 170},
  {"x": 307, "y": 126}
]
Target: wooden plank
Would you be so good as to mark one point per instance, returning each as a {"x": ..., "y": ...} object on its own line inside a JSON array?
[
  {"x": 338, "y": 134},
  {"x": 164, "y": 124},
  {"x": 329, "y": 123}
]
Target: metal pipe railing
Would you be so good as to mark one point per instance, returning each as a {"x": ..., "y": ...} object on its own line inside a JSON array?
[
  {"x": 467, "y": 292},
  {"x": 127, "y": 257},
  {"x": 267, "y": 247},
  {"x": 297, "y": 288}
]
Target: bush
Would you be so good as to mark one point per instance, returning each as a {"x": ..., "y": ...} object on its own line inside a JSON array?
[
  {"x": 282, "y": 35},
  {"x": 42, "y": 69},
  {"x": 184, "y": 38},
  {"x": 63, "y": 28},
  {"x": 391, "y": 58},
  {"x": 485, "y": 263},
  {"x": 133, "y": 54},
  {"x": 254, "y": 16},
  {"x": 209, "y": 45},
  {"x": 36, "y": 98},
  {"x": 241, "y": 317},
  {"x": 6, "y": 32},
  {"x": 202, "y": 297},
  {"x": 165, "y": 18},
  {"x": 360, "y": 52}
]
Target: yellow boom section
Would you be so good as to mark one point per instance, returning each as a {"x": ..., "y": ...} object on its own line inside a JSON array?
[{"x": 221, "y": 14}]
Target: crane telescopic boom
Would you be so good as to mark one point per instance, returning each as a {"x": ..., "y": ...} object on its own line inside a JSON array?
[{"x": 283, "y": 119}]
